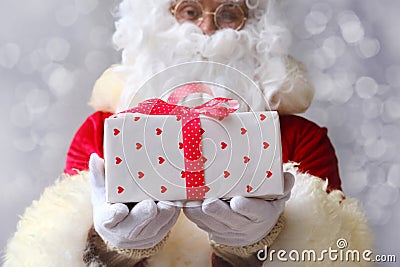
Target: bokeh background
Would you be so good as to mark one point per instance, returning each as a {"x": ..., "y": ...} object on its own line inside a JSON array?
[{"x": 52, "y": 51}]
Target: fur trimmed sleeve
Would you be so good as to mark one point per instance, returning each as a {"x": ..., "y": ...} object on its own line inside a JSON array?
[
  {"x": 307, "y": 144},
  {"x": 87, "y": 140},
  {"x": 317, "y": 221},
  {"x": 53, "y": 230},
  {"x": 98, "y": 253}
]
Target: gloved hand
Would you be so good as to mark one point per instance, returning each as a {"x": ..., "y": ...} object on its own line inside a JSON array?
[
  {"x": 241, "y": 222},
  {"x": 142, "y": 227}
]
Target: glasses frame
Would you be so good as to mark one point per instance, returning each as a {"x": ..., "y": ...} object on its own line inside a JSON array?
[{"x": 204, "y": 13}]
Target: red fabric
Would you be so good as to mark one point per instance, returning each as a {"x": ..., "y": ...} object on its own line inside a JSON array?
[
  {"x": 306, "y": 143},
  {"x": 303, "y": 142},
  {"x": 87, "y": 140}
]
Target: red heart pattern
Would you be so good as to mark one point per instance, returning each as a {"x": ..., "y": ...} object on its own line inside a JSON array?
[
  {"x": 120, "y": 189},
  {"x": 249, "y": 188},
  {"x": 163, "y": 189},
  {"x": 223, "y": 145},
  {"x": 118, "y": 160},
  {"x": 138, "y": 146},
  {"x": 161, "y": 160},
  {"x": 266, "y": 145},
  {"x": 226, "y": 174}
]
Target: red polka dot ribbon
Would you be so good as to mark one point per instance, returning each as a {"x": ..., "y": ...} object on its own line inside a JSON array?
[
  {"x": 218, "y": 108},
  {"x": 187, "y": 89}
]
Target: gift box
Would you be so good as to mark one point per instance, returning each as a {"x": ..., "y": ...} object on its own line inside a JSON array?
[{"x": 166, "y": 152}]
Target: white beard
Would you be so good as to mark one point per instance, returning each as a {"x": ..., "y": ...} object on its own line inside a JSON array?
[{"x": 152, "y": 40}]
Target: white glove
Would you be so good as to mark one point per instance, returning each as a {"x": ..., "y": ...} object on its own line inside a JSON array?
[
  {"x": 243, "y": 221},
  {"x": 142, "y": 227}
]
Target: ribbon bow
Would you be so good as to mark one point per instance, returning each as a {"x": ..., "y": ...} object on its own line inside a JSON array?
[{"x": 218, "y": 108}]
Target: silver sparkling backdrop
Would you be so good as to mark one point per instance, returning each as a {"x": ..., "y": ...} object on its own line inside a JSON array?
[{"x": 52, "y": 51}]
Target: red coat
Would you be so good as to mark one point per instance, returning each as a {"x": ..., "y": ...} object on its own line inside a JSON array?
[{"x": 303, "y": 142}]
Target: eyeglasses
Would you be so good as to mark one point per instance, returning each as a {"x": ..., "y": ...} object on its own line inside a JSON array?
[{"x": 226, "y": 15}]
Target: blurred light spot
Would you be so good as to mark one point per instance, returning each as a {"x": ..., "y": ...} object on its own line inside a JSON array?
[
  {"x": 392, "y": 74},
  {"x": 324, "y": 58},
  {"x": 375, "y": 148},
  {"x": 376, "y": 174},
  {"x": 320, "y": 116},
  {"x": 366, "y": 87},
  {"x": 337, "y": 116},
  {"x": 383, "y": 89},
  {"x": 37, "y": 101},
  {"x": 383, "y": 194},
  {"x": 324, "y": 85},
  {"x": 99, "y": 36},
  {"x": 26, "y": 143},
  {"x": 9, "y": 55},
  {"x": 315, "y": 22},
  {"x": 38, "y": 59},
  {"x": 344, "y": 134},
  {"x": 369, "y": 47},
  {"x": 20, "y": 115},
  {"x": 96, "y": 61},
  {"x": 344, "y": 78},
  {"x": 66, "y": 15},
  {"x": 371, "y": 129},
  {"x": 335, "y": 45},
  {"x": 54, "y": 140},
  {"x": 23, "y": 88},
  {"x": 25, "y": 65},
  {"x": 57, "y": 48},
  {"x": 61, "y": 81},
  {"x": 390, "y": 133},
  {"x": 392, "y": 108},
  {"x": 342, "y": 95},
  {"x": 350, "y": 25},
  {"x": 393, "y": 178},
  {"x": 323, "y": 8},
  {"x": 372, "y": 108},
  {"x": 86, "y": 6},
  {"x": 50, "y": 156},
  {"x": 376, "y": 215},
  {"x": 357, "y": 182}
]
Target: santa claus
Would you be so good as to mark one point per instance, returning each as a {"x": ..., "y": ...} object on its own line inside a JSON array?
[{"x": 72, "y": 225}]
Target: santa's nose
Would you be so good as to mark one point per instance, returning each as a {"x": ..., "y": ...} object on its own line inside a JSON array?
[{"x": 207, "y": 25}]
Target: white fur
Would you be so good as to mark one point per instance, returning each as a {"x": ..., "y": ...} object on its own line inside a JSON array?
[
  {"x": 52, "y": 231},
  {"x": 152, "y": 40}
]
